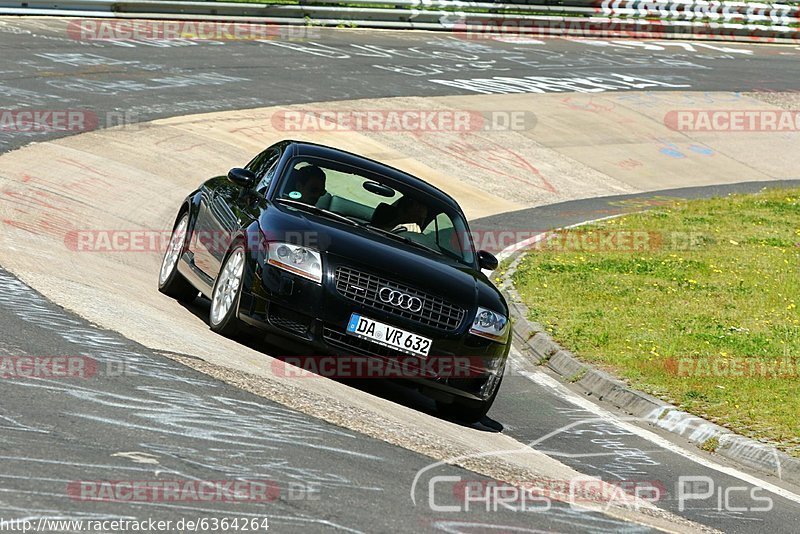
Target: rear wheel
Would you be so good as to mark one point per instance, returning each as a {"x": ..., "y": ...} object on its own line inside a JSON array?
[
  {"x": 223, "y": 316},
  {"x": 170, "y": 281}
]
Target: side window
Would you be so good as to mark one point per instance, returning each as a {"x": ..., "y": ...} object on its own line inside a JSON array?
[
  {"x": 263, "y": 166},
  {"x": 269, "y": 174},
  {"x": 439, "y": 224},
  {"x": 441, "y": 231}
]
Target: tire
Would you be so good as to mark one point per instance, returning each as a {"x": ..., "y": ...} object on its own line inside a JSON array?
[
  {"x": 467, "y": 410},
  {"x": 224, "y": 314},
  {"x": 170, "y": 281}
]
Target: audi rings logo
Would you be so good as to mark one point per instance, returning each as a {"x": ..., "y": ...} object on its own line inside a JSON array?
[{"x": 400, "y": 299}]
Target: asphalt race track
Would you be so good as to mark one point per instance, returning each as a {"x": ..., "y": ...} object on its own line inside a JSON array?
[
  {"x": 163, "y": 420},
  {"x": 190, "y": 427},
  {"x": 143, "y": 80}
]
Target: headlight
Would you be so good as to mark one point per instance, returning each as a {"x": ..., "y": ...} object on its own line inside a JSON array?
[
  {"x": 490, "y": 325},
  {"x": 296, "y": 259}
]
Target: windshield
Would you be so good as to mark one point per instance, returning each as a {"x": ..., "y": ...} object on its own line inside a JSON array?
[{"x": 378, "y": 203}]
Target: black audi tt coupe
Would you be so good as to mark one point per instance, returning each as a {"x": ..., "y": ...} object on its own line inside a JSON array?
[{"x": 350, "y": 257}]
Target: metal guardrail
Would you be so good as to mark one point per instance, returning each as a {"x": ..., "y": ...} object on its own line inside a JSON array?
[{"x": 696, "y": 19}]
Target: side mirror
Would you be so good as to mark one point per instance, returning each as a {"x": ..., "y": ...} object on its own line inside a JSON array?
[
  {"x": 242, "y": 177},
  {"x": 486, "y": 260}
]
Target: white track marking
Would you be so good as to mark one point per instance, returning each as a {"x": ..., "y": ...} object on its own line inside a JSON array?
[{"x": 563, "y": 392}]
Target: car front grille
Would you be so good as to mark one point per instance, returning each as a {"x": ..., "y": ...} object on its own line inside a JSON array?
[{"x": 364, "y": 287}]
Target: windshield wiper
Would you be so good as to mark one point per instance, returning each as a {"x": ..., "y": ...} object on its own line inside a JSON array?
[
  {"x": 314, "y": 209},
  {"x": 441, "y": 251},
  {"x": 401, "y": 238}
]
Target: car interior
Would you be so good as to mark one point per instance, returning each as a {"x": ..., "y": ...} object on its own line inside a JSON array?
[{"x": 350, "y": 195}]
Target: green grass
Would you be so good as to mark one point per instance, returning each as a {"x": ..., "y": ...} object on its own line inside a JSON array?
[
  {"x": 718, "y": 282},
  {"x": 710, "y": 445}
]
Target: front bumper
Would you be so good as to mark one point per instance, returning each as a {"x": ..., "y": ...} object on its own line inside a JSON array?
[{"x": 458, "y": 365}]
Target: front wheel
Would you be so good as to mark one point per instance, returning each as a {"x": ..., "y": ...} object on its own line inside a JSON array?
[
  {"x": 225, "y": 296},
  {"x": 468, "y": 410},
  {"x": 170, "y": 281}
]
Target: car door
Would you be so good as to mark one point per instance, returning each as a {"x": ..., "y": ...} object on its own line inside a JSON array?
[
  {"x": 226, "y": 208},
  {"x": 215, "y": 223}
]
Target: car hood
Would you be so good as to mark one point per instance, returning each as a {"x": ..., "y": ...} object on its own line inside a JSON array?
[{"x": 360, "y": 248}]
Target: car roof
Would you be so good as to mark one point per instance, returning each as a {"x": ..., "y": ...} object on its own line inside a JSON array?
[{"x": 303, "y": 148}]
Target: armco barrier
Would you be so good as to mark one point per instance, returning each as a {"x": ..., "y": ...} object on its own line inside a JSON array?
[{"x": 683, "y": 19}]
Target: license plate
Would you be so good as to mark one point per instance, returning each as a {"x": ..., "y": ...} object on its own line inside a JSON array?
[{"x": 388, "y": 336}]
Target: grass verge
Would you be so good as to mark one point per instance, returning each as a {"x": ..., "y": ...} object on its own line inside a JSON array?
[{"x": 695, "y": 303}]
